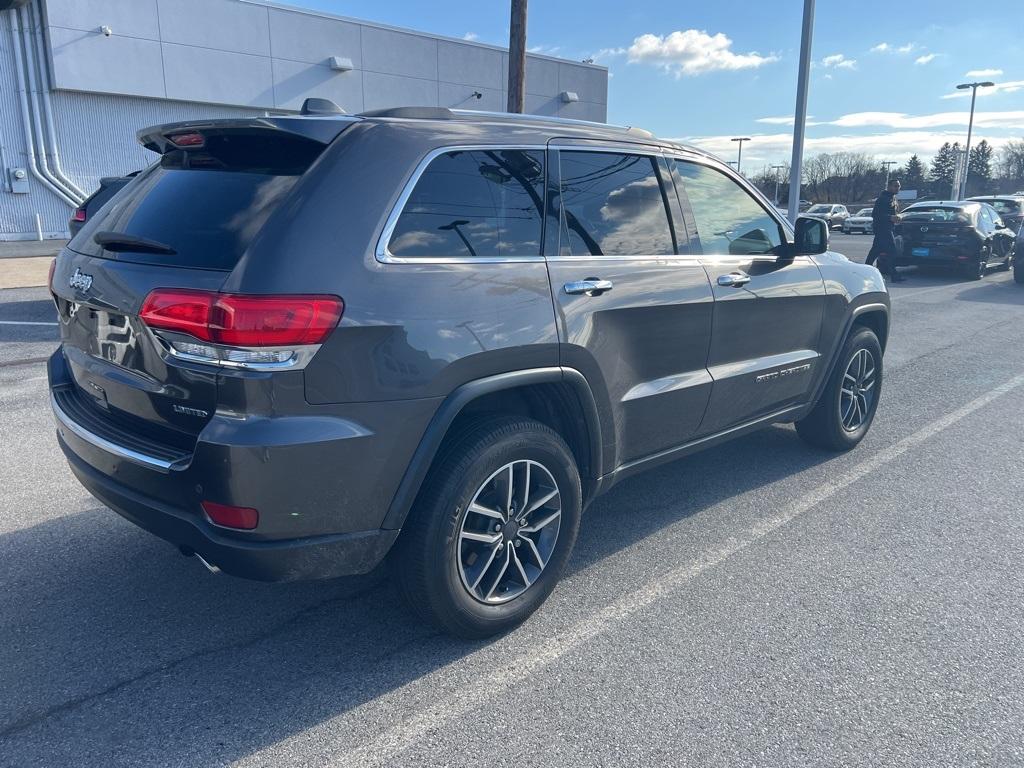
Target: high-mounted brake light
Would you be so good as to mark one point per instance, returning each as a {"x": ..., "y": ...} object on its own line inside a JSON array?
[
  {"x": 190, "y": 139},
  {"x": 243, "y": 321}
]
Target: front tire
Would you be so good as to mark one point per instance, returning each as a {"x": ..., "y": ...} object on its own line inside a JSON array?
[
  {"x": 493, "y": 529},
  {"x": 844, "y": 413}
]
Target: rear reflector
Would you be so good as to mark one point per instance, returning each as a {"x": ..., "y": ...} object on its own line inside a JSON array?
[
  {"x": 243, "y": 321},
  {"x": 245, "y": 518},
  {"x": 190, "y": 139},
  {"x": 78, "y": 215}
]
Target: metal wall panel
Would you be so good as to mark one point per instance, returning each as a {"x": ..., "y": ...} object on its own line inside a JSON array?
[{"x": 157, "y": 66}]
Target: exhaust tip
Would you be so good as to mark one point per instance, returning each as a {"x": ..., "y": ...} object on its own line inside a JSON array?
[{"x": 189, "y": 552}]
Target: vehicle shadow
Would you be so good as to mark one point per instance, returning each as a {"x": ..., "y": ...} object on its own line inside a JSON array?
[
  {"x": 105, "y": 629},
  {"x": 1006, "y": 292}
]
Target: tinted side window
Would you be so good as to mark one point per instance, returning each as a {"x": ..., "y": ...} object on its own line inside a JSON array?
[
  {"x": 729, "y": 220},
  {"x": 479, "y": 203},
  {"x": 612, "y": 205}
]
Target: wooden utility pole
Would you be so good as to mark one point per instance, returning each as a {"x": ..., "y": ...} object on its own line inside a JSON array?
[{"x": 517, "y": 57}]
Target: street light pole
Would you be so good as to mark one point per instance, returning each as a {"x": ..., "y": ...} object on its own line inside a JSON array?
[
  {"x": 739, "y": 153},
  {"x": 800, "y": 119},
  {"x": 887, "y": 164},
  {"x": 777, "y": 168},
  {"x": 970, "y": 127}
]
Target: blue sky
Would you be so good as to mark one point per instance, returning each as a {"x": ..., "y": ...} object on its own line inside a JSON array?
[{"x": 883, "y": 76}]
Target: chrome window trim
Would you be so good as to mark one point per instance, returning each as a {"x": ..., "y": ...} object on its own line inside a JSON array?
[
  {"x": 151, "y": 462},
  {"x": 382, "y": 252}
]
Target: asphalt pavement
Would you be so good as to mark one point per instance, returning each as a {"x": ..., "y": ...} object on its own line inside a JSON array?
[{"x": 762, "y": 603}]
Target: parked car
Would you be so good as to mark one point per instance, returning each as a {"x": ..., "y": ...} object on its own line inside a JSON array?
[
  {"x": 109, "y": 186},
  {"x": 507, "y": 320},
  {"x": 859, "y": 222},
  {"x": 833, "y": 215},
  {"x": 1009, "y": 207},
  {"x": 966, "y": 235},
  {"x": 1018, "y": 264}
]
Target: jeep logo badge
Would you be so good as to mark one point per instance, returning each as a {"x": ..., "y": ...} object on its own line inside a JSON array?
[{"x": 80, "y": 281}]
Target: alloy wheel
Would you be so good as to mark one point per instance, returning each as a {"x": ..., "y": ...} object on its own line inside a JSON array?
[
  {"x": 509, "y": 532},
  {"x": 858, "y": 391}
]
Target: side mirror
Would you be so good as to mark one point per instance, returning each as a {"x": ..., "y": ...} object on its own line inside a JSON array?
[{"x": 811, "y": 236}]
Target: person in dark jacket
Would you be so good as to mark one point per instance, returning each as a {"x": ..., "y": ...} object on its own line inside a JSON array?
[{"x": 884, "y": 217}]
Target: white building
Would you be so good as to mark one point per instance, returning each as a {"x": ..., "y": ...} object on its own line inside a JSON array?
[{"x": 78, "y": 79}]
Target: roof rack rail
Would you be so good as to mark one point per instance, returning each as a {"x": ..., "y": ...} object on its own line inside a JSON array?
[
  {"x": 444, "y": 113},
  {"x": 412, "y": 113},
  {"x": 551, "y": 119}
]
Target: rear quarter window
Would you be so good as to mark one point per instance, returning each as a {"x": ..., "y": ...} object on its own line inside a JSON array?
[{"x": 481, "y": 203}]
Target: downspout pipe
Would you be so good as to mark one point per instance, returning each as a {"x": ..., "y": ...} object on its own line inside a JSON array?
[
  {"x": 30, "y": 67},
  {"x": 30, "y": 148},
  {"x": 44, "y": 93}
]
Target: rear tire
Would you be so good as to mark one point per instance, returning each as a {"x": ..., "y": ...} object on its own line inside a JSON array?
[
  {"x": 975, "y": 270},
  {"x": 844, "y": 413},
  {"x": 437, "y": 559}
]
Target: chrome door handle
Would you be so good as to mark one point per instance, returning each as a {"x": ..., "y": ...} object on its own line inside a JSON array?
[
  {"x": 733, "y": 279},
  {"x": 592, "y": 286}
]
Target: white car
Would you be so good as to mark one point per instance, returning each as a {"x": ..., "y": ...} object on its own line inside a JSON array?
[{"x": 860, "y": 222}]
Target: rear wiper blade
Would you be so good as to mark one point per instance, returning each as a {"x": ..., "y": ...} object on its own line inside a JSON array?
[{"x": 119, "y": 241}]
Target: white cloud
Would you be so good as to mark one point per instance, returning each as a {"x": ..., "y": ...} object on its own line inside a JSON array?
[
  {"x": 1007, "y": 119},
  {"x": 766, "y": 149},
  {"x": 984, "y": 73},
  {"x": 694, "y": 52},
  {"x": 1010, "y": 86},
  {"x": 546, "y": 50},
  {"x": 778, "y": 120},
  {"x": 607, "y": 53},
  {"x": 926, "y": 59},
  {"x": 839, "y": 61},
  {"x": 890, "y": 48},
  {"x": 471, "y": 36}
]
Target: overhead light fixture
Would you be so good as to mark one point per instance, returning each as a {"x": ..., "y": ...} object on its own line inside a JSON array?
[
  {"x": 340, "y": 63},
  {"x": 107, "y": 31},
  {"x": 570, "y": 96}
]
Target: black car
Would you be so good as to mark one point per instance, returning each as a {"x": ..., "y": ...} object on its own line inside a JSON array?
[
  {"x": 966, "y": 235},
  {"x": 1009, "y": 207},
  {"x": 294, "y": 346},
  {"x": 109, "y": 186}
]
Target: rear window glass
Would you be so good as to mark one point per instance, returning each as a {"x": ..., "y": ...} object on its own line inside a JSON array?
[
  {"x": 935, "y": 214},
  {"x": 612, "y": 205},
  {"x": 207, "y": 205},
  {"x": 477, "y": 204},
  {"x": 1005, "y": 206}
]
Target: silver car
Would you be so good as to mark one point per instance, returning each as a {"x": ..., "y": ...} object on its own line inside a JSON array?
[{"x": 861, "y": 221}]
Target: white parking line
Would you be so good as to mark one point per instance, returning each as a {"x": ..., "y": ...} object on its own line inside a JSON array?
[
  {"x": 24, "y": 322},
  {"x": 382, "y": 749}
]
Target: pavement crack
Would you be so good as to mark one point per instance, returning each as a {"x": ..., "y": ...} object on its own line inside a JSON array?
[{"x": 29, "y": 720}]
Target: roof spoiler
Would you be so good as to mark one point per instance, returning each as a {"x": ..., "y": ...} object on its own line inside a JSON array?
[{"x": 320, "y": 128}]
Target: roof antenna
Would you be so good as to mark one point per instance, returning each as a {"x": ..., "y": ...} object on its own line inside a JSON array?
[{"x": 317, "y": 106}]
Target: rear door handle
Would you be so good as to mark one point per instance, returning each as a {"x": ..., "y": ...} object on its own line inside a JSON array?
[
  {"x": 733, "y": 279},
  {"x": 592, "y": 286}
]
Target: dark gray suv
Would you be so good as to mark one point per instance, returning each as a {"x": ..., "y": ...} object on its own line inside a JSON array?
[{"x": 294, "y": 345}]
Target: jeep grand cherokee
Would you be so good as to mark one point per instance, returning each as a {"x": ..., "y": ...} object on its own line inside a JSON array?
[{"x": 295, "y": 345}]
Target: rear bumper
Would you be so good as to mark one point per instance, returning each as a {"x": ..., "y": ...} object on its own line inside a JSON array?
[
  {"x": 321, "y": 480},
  {"x": 938, "y": 255},
  {"x": 315, "y": 557}
]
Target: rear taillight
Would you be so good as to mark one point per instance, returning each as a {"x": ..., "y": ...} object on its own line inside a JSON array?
[
  {"x": 228, "y": 516},
  {"x": 243, "y": 321},
  {"x": 79, "y": 214}
]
